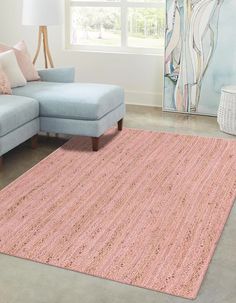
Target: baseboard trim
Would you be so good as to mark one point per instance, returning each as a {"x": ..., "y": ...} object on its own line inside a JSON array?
[{"x": 143, "y": 98}]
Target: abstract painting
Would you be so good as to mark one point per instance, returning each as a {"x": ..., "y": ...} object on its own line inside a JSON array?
[{"x": 200, "y": 54}]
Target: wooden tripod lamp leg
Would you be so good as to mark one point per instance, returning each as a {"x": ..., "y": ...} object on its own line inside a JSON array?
[
  {"x": 39, "y": 45},
  {"x": 43, "y": 33},
  {"x": 47, "y": 48}
]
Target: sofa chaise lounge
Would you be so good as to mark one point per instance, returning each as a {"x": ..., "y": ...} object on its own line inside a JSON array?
[{"x": 57, "y": 104}]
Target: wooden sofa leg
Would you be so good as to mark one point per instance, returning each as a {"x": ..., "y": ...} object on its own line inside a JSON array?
[
  {"x": 95, "y": 143},
  {"x": 34, "y": 142},
  {"x": 1, "y": 161},
  {"x": 120, "y": 125}
]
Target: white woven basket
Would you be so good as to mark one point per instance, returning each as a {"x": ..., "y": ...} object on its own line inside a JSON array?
[{"x": 226, "y": 116}]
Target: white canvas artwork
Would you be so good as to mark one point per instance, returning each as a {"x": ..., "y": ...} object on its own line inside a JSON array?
[{"x": 200, "y": 54}]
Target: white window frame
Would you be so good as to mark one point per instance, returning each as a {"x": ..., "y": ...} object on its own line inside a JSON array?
[{"x": 124, "y": 5}]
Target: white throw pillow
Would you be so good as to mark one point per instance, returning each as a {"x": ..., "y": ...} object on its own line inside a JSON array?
[{"x": 11, "y": 68}]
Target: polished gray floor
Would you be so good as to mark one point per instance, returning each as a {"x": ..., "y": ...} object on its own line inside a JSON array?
[{"x": 23, "y": 281}]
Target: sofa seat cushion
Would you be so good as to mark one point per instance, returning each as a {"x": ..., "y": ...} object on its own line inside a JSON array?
[
  {"x": 79, "y": 101},
  {"x": 16, "y": 111}
]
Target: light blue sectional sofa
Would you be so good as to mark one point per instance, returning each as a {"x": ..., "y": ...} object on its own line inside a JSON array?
[{"x": 59, "y": 105}]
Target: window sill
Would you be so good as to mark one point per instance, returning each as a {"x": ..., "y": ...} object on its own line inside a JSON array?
[{"x": 116, "y": 51}]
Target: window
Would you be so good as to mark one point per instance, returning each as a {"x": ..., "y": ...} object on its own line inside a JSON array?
[{"x": 116, "y": 25}]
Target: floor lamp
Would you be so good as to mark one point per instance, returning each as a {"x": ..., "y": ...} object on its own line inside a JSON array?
[{"x": 42, "y": 13}]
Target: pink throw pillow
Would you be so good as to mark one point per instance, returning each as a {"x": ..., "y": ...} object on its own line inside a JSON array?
[
  {"x": 23, "y": 59},
  {"x": 5, "y": 86}
]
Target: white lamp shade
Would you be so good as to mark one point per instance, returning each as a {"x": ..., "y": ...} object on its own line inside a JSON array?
[{"x": 42, "y": 12}]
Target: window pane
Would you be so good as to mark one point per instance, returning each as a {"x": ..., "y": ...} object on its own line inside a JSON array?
[
  {"x": 95, "y": 26},
  {"x": 146, "y": 27}
]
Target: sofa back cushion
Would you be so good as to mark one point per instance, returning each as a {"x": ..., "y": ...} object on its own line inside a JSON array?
[
  {"x": 24, "y": 60},
  {"x": 11, "y": 68},
  {"x": 5, "y": 86}
]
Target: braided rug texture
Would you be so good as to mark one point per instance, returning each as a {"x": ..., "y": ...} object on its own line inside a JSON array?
[{"x": 146, "y": 210}]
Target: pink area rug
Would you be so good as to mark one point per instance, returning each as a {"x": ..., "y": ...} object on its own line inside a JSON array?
[{"x": 147, "y": 209}]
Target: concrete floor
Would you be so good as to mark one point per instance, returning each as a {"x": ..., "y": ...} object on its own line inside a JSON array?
[{"x": 24, "y": 281}]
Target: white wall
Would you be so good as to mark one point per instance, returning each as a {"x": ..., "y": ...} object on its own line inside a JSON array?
[{"x": 140, "y": 75}]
